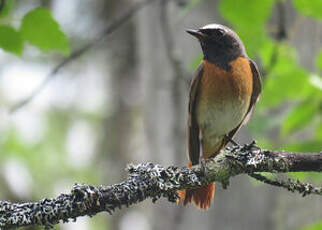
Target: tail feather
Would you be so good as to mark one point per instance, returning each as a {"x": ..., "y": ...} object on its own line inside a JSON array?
[{"x": 201, "y": 197}]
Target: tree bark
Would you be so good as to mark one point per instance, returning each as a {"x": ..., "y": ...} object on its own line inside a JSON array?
[{"x": 154, "y": 181}]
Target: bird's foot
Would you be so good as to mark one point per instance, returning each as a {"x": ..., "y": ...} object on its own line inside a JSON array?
[{"x": 232, "y": 141}]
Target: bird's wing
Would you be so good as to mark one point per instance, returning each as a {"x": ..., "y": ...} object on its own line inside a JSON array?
[
  {"x": 257, "y": 88},
  {"x": 193, "y": 128}
]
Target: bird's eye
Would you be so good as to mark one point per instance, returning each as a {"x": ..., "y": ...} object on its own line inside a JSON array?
[{"x": 219, "y": 32}]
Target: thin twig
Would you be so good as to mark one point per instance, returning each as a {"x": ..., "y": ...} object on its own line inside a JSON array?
[
  {"x": 290, "y": 185},
  {"x": 114, "y": 25}
]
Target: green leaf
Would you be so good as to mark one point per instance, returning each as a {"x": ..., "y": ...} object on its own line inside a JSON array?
[
  {"x": 249, "y": 26},
  {"x": 10, "y": 40},
  {"x": 8, "y": 6},
  {"x": 280, "y": 87},
  {"x": 253, "y": 39},
  {"x": 318, "y": 131},
  {"x": 304, "y": 147},
  {"x": 300, "y": 116},
  {"x": 286, "y": 80},
  {"x": 40, "y": 29},
  {"x": 316, "y": 226},
  {"x": 311, "y": 8},
  {"x": 237, "y": 12},
  {"x": 267, "y": 51},
  {"x": 318, "y": 60}
]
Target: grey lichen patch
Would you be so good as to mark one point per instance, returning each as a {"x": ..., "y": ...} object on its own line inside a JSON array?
[
  {"x": 83, "y": 200},
  {"x": 267, "y": 162},
  {"x": 145, "y": 181},
  {"x": 250, "y": 158},
  {"x": 45, "y": 212},
  {"x": 153, "y": 181},
  {"x": 303, "y": 188},
  {"x": 167, "y": 179}
]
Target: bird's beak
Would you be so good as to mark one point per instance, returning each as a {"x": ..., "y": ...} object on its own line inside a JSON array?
[{"x": 196, "y": 33}]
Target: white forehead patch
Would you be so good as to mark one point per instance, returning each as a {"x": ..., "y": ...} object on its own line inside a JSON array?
[{"x": 215, "y": 26}]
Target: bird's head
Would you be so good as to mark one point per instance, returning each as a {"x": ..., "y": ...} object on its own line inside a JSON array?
[{"x": 219, "y": 42}]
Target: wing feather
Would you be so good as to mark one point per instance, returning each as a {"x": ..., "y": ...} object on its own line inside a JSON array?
[
  {"x": 193, "y": 128},
  {"x": 257, "y": 88}
]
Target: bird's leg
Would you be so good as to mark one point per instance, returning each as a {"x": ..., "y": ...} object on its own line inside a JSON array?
[
  {"x": 231, "y": 141},
  {"x": 203, "y": 165}
]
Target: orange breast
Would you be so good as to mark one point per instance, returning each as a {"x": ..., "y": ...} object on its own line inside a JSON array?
[
  {"x": 218, "y": 84},
  {"x": 223, "y": 100}
]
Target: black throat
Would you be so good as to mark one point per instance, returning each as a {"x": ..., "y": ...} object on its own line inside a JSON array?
[{"x": 221, "y": 56}]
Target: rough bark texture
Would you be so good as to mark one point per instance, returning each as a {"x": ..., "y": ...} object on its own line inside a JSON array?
[{"x": 153, "y": 181}]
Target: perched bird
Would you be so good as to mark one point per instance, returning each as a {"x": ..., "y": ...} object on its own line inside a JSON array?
[{"x": 222, "y": 98}]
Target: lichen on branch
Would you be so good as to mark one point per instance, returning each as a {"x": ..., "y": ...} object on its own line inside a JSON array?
[{"x": 153, "y": 181}]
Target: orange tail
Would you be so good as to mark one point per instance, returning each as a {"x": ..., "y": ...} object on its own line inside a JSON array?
[{"x": 201, "y": 197}]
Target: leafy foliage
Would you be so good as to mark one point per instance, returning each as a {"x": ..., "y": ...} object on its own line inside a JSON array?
[
  {"x": 40, "y": 29},
  {"x": 8, "y": 6},
  {"x": 300, "y": 116},
  {"x": 250, "y": 26},
  {"x": 291, "y": 100},
  {"x": 10, "y": 40},
  {"x": 319, "y": 60},
  {"x": 287, "y": 87},
  {"x": 283, "y": 82},
  {"x": 316, "y": 226},
  {"x": 318, "y": 131},
  {"x": 312, "y": 8}
]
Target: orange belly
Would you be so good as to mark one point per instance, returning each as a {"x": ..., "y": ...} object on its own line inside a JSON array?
[{"x": 223, "y": 102}]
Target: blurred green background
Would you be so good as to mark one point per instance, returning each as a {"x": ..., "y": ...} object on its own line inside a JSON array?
[{"x": 125, "y": 100}]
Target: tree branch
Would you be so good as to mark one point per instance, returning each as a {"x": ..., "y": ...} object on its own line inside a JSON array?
[
  {"x": 2, "y": 3},
  {"x": 279, "y": 35},
  {"x": 290, "y": 185},
  {"x": 154, "y": 181},
  {"x": 115, "y": 24}
]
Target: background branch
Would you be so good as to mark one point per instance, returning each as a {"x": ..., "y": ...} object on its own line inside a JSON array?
[
  {"x": 279, "y": 35},
  {"x": 114, "y": 25},
  {"x": 154, "y": 181},
  {"x": 2, "y": 3}
]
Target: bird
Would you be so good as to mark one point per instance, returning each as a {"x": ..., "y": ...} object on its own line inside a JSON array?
[{"x": 222, "y": 97}]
